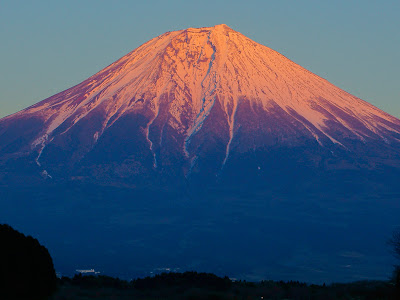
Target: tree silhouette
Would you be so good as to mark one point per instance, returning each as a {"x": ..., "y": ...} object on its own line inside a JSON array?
[
  {"x": 26, "y": 268},
  {"x": 394, "y": 242}
]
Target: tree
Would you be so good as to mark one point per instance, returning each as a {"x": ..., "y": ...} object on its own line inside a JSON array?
[
  {"x": 394, "y": 242},
  {"x": 26, "y": 267}
]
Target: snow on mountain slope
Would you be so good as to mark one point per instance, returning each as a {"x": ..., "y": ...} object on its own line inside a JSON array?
[{"x": 189, "y": 91}]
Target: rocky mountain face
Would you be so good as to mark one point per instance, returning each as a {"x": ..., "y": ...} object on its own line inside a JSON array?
[{"x": 207, "y": 105}]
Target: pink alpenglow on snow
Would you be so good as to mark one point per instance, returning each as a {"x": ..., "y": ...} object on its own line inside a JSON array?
[{"x": 187, "y": 95}]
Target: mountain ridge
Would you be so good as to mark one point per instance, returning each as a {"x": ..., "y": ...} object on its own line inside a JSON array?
[{"x": 183, "y": 87}]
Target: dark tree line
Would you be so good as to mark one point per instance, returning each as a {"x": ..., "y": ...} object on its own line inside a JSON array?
[
  {"x": 186, "y": 279},
  {"x": 26, "y": 267},
  {"x": 161, "y": 281},
  {"x": 199, "y": 286}
]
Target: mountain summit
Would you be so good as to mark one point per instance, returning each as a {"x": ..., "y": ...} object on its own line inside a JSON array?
[{"x": 206, "y": 102}]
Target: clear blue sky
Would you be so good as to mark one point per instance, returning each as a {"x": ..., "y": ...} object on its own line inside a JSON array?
[{"x": 49, "y": 46}]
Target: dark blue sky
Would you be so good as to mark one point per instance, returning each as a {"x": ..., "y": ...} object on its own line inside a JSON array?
[{"x": 49, "y": 46}]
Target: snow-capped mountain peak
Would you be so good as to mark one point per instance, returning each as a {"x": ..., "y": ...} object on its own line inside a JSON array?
[{"x": 185, "y": 86}]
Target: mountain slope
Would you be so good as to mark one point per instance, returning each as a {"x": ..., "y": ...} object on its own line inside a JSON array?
[{"x": 197, "y": 102}]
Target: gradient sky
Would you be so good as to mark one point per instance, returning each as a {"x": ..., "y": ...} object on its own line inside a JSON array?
[{"x": 49, "y": 46}]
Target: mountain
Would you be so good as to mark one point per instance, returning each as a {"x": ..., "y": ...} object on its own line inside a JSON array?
[
  {"x": 202, "y": 104},
  {"x": 203, "y": 150}
]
